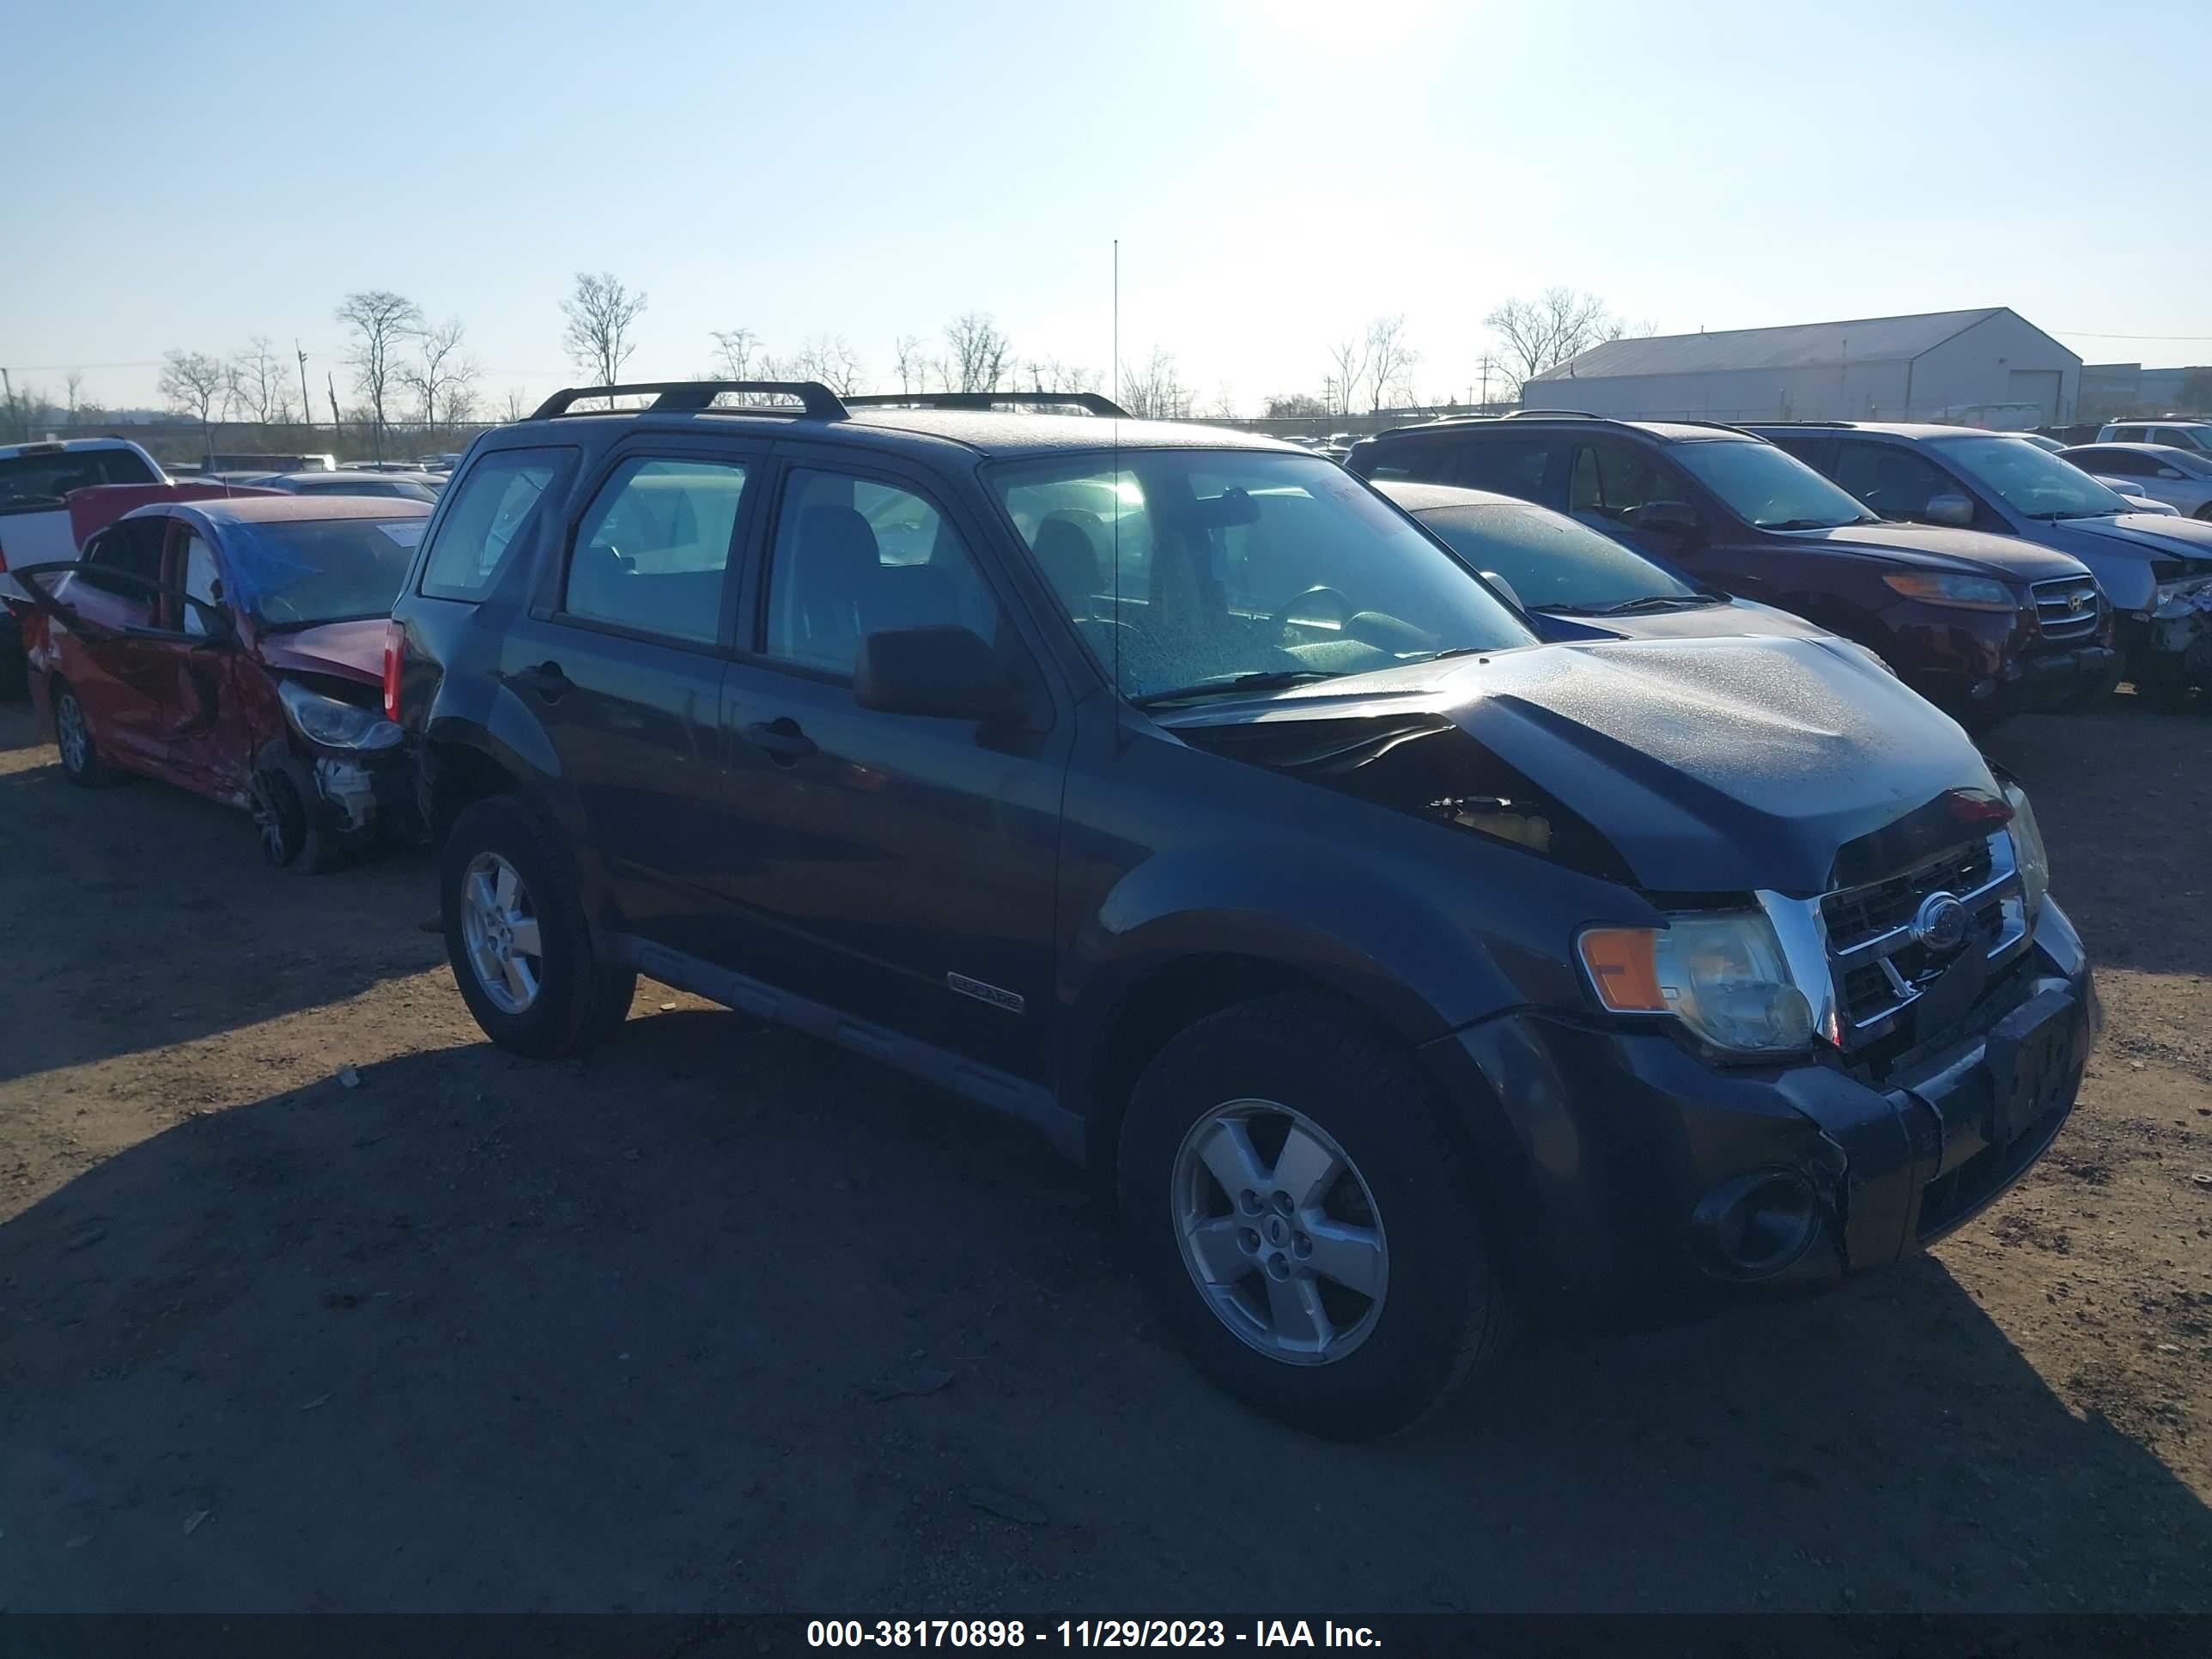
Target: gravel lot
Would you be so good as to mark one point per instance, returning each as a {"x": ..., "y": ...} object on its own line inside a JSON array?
[{"x": 728, "y": 1320}]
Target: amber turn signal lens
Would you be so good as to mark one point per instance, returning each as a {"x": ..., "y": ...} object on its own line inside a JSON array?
[{"x": 1623, "y": 967}]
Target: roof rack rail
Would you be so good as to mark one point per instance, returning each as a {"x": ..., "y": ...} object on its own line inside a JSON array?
[
  {"x": 1538, "y": 414},
  {"x": 680, "y": 396},
  {"x": 1089, "y": 402}
]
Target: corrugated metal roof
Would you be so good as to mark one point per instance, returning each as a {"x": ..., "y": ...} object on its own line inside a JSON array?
[{"x": 1800, "y": 345}]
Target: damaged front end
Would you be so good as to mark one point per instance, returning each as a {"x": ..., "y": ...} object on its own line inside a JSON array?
[
  {"x": 337, "y": 782},
  {"x": 2175, "y": 642}
]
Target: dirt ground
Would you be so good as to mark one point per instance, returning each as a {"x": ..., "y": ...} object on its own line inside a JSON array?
[{"x": 729, "y": 1320}]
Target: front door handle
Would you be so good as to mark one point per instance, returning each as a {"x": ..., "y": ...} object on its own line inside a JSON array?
[
  {"x": 781, "y": 739},
  {"x": 546, "y": 680}
]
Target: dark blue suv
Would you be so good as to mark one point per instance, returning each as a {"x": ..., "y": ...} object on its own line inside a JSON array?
[{"x": 1170, "y": 789}]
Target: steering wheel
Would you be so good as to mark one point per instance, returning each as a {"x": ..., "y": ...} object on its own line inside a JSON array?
[{"x": 1284, "y": 618}]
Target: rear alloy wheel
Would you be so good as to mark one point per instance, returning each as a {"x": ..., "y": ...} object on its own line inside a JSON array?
[
  {"x": 80, "y": 762},
  {"x": 1307, "y": 1225},
  {"x": 515, "y": 935}
]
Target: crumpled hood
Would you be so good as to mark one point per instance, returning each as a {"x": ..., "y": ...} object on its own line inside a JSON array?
[
  {"x": 350, "y": 650},
  {"x": 2157, "y": 534},
  {"x": 1937, "y": 547},
  {"x": 1708, "y": 766}
]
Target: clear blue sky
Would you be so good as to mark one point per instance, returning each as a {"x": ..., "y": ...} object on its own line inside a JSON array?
[{"x": 1277, "y": 173}]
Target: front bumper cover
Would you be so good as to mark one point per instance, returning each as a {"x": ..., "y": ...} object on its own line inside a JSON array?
[{"x": 1630, "y": 1146}]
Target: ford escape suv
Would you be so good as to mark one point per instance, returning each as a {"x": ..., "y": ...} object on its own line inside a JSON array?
[
  {"x": 1981, "y": 625},
  {"x": 1170, "y": 790}
]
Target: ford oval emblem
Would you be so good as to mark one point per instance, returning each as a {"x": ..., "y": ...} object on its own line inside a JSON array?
[{"x": 1940, "y": 925}]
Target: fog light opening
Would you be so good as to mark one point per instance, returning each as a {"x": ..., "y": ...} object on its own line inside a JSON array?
[{"x": 1758, "y": 1225}]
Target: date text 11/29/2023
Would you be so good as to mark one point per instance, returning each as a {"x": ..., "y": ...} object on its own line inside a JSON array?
[{"x": 1086, "y": 1633}]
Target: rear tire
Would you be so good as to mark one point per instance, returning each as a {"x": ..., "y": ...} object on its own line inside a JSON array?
[
  {"x": 80, "y": 762},
  {"x": 1277, "y": 1321},
  {"x": 520, "y": 949}
]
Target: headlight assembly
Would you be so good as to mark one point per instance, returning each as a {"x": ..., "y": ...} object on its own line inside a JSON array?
[
  {"x": 1721, "y": 973},
  {"x": 2027, "y": 851},
  {"x": 335, "y": 725},
  {"x": 1960, "y": 592}
]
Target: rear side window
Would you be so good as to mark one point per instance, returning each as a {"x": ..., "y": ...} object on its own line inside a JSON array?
[
  {"x": 490, "y": 506},
  {"x": 1511, "y": 466},
  {"x": 653, "y": 550},
  {"x": 1406, "y": 461},
  {"x": 1892, "y": 481}
]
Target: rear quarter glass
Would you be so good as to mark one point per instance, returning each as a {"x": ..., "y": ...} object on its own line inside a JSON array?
[{"x": 488, "y": 514}]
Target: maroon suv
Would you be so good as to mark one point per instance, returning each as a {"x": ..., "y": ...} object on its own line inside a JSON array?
[{"x": 1981, "y": 625}]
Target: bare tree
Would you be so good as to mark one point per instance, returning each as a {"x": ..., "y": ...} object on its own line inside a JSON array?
[
  {"x": 979, "y": 353},
  {"x": 600, "y": 314},
  {"x": 1224, "y": 405},
  {"x": 831, "y": 361},
  {"x": 1349, "y": 358},
  {"x": 1152, "y": 390},
  {"x": 1296, "y": 406},
  {"x": 1543, "y": 333},
  {"x": 73, "y": 388},
  {"x": 734, "y": 348},
  {"x": 192, "y": 383},
  {"x": 260, "y": 381},
  {"x": 1389, "y": 359},
  {"x": 441, "y": 374},
  {"x": 909, "y": 364},
  {"x": 381, "y": 322},
  {"x": 517, "y": 406}
]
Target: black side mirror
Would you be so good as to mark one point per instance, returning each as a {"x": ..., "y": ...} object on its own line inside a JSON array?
[
  {"x": 1675, "y": 518},
  {"x": 945, "y": 673},
  {"x": 218, "y": 629}
]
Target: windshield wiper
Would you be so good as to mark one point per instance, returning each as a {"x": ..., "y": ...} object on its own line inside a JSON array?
[
  {"x": 2054, "y": 515},
  {"x": 1648, "y": 602},
  {"x": 1272, "y": 680},
  {"x": 1815, "y": 524}
]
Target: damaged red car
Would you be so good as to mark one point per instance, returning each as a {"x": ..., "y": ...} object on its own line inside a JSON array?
[{"x": 234, "y": 647}]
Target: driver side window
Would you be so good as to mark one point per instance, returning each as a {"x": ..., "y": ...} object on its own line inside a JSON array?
[
  {"x": 1895, "y": 482},
  {"x": 201, "y": 583}
]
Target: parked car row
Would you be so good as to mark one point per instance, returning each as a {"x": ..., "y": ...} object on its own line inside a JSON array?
[
  {"x": 1992, "y": 575},
  {"x": 1429, "y": 910}
]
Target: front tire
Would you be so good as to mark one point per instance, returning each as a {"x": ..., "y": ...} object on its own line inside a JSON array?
[
  {"x": 291, "y": 835},
  {"x": 516, "y": 938},
  {"x": 1305, "y": 1224}
]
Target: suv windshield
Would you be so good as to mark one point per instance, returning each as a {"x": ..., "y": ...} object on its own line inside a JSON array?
[
  {"x": 2033, "y": 483},
  {"x": 1209, "y": 572},
  {"x": 47, "y": 478},
  {"x": 300, "y": 573},
  {"x": 1555, "y": 563},
  {"x": 1767, "y": 487}
]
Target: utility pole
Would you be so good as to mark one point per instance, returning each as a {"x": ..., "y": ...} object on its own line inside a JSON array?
[
  {"x": 331, "y": 381},
  {"x": 8, "y": 387},
  {"x": 307, "y": 401}
]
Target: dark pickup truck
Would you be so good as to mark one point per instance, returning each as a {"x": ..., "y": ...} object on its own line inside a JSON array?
[
  {"x": 1171, "y": 791},
  {"x": 1980, "y": 625}
]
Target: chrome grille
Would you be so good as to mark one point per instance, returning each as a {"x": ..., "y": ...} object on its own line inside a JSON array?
[
  {"x": 2068, "y": 607},
  {"x": 1879, "y": 968}
]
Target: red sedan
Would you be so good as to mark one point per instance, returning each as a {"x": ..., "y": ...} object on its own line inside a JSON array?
[{"x": 234, "y": 647}]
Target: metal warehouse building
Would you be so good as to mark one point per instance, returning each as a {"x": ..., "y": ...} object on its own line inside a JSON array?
[{"x": 1988, "y": 367}]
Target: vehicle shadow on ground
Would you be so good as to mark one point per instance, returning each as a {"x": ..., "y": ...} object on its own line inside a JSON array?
[
  {"x": 727, "y": 1319},
  {"x": 2124, "y": 803},
  {"x": 138, "y": 915}
]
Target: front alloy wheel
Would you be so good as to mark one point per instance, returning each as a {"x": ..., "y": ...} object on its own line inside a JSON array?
[
  {"x": 1279, "y": 1232},
  {"x": 498, "y": 925}
]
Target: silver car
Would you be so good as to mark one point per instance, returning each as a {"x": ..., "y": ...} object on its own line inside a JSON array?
[
  {"x": 2182, "y": 478},
  {"x": 2181, "y": 433}
]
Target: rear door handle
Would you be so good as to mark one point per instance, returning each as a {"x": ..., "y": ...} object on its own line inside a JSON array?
[
  {"x": 781, "y": 739},
  {"x": 546, "y": 680}
]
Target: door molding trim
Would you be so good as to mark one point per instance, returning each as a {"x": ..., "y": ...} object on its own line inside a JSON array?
[{"x": 1000, "y": 1092}]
